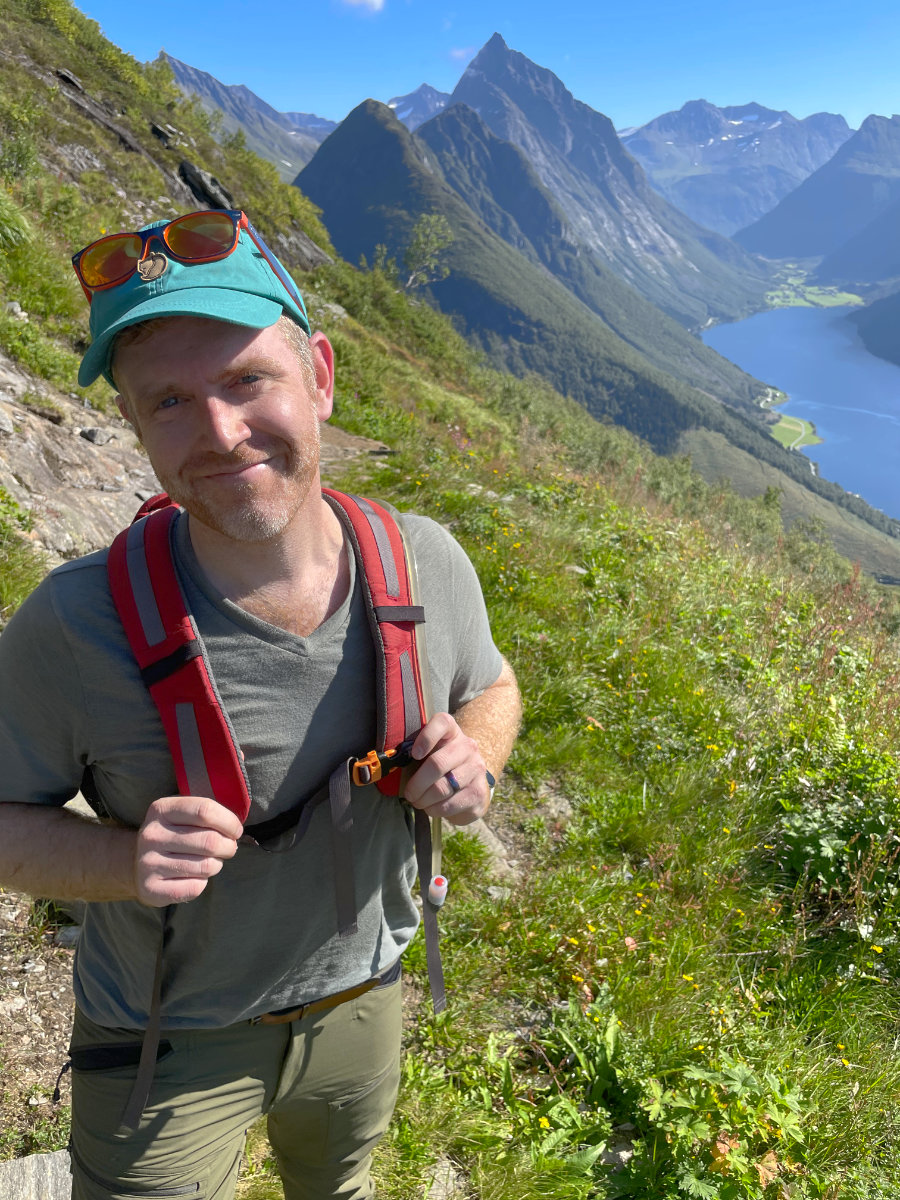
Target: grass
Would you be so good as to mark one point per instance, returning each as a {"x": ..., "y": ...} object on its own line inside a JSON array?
[
  {"x": 794, "y": 433},
  {"x": 793, "y": 291},
  {"x": 21, "y": 566}
]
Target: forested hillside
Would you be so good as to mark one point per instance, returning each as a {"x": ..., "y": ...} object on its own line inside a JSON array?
[{"x": 680, "y": 977}]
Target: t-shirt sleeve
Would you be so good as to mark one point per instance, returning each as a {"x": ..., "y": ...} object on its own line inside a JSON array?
[
  {"x": 463, "y": 660},
  {"x": 41, "y": 707}
]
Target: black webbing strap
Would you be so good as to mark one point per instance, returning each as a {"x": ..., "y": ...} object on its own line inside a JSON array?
[
  {"x": 143, "y": 1081},
  {"x": 339, "y": 792},
  {"x": 400, "y": 612},
  {"x": 172, "y": 662},
  {"x": 429, "y": 912}
]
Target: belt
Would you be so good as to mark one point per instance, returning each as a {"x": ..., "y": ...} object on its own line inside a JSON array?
[{"x": 284, "y": 1016}]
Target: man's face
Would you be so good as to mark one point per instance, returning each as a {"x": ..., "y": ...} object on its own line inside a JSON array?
[{"x": 227, "y": 421}]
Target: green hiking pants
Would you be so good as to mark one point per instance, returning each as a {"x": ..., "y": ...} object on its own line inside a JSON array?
[{"x": 328, "y": 1084}]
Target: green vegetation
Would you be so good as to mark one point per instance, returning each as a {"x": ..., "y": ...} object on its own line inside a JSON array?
[
  {"x": 793, "y": 432},
  {"x": 21, "y": 567},
  {"x": 691, "y": 988},
  {"x": 792, "y": 290},
  {"x": 423, "y": 260}
]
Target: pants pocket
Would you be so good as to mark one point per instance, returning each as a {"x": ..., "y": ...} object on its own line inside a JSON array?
[{"x": 87, "y": 1185}]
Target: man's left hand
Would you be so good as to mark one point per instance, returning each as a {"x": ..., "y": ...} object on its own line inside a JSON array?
[{"x": 447, "y": 756}]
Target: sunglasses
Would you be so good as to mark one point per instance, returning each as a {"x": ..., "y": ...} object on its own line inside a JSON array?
[{"x": 198, "y": 237}]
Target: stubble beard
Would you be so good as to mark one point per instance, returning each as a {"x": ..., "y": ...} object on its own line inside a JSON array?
[{"x": 246, "y": 514}]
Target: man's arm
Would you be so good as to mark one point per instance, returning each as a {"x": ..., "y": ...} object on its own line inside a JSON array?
[
  {"x": 182, "y": 843},
  {"x": 462, "y": 748}
]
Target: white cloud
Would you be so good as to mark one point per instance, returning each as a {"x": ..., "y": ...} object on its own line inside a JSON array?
[
  {"x": 461, "y": 53},
  {"x": 374, "y": 5}
]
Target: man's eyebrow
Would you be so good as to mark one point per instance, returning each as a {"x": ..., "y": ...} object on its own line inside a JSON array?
[{"x": 262, "y": 364}]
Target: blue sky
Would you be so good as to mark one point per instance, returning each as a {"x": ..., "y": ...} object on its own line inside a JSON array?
[{"x": 632, "y": 61}]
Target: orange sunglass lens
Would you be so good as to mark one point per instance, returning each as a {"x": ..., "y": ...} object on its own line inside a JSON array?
[
  {"x": 110, "y": 260},
  {"x": 202, "y": 235}
]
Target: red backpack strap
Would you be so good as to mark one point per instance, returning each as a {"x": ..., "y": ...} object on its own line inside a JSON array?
[
  {"x": 164, "y": 640},
  {"x": 393, "y": 616}
]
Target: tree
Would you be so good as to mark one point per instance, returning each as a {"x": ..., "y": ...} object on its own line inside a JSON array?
[{"x": 431, "y": 235}]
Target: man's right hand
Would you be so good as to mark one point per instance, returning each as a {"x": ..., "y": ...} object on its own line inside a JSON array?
[{"x": 181, "y": 845}]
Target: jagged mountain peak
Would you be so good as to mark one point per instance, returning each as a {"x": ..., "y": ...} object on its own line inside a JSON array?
[{"x": 418, "y": 106}]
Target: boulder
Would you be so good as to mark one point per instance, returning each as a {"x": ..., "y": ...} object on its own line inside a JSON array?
[{"x": 37, "y": 1177}]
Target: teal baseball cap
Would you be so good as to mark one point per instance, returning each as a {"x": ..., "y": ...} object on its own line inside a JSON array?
[{"x": 242, "y": 285}]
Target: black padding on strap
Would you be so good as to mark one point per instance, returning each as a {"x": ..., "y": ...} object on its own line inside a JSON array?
[
  {"x": 400, "y": 612},
  {"x": 170, "y": 664}
]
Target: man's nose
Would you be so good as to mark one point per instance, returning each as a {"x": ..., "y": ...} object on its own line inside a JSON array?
[{"x": 224, "y": 424}]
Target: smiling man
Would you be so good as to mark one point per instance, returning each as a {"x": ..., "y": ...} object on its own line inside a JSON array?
[{"x": 215, "y": 979}]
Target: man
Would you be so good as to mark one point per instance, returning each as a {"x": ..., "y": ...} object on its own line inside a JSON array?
[{"x": 207, "y": 341}]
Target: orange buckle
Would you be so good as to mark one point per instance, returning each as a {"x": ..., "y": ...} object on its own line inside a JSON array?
[{"x": 378, "y": 763}]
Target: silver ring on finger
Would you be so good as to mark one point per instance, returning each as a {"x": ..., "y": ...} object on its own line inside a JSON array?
[{"x": 455, "y": 785}]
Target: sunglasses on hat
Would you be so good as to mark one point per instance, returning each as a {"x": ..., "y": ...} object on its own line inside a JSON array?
[{"x": 198, "y": 237}]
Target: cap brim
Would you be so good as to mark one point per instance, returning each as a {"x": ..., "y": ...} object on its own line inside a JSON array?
[{"x": 219, "y": 304}]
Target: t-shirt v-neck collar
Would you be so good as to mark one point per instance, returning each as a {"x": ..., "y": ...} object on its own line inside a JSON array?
[{"x": 196, "y": 578}]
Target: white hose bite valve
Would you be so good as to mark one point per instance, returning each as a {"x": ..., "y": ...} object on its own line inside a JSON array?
[{"x": 437, "y": 890}]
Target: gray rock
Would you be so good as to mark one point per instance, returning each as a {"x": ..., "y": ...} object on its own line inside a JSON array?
[
  {"x": 557, "y": 806},
  {"x": 618, "y": 1155},
  {"x": 37, "y": 1177},
  {"x": 67, "y": 936},
  {"x": 498, "y": 863},
  {"x": 70, "y": 78},
  {"x": 97, "y": 435},
  {"x": 443, "y": 1182},
  {"x": 296, "y": 249},
  {"x": 205, "y": 187},
  {"x": 79, "y": 158},
  {"x": 6, "y": 424}
]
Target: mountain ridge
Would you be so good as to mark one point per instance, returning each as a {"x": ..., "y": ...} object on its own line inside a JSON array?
[
  {"x": 693, "y": 274},
  {"x": 837, "y": 201},
  {"x": 286, "y": 139},
  {"x": 498, "y": 182},
  {"x": 727, "y": 166}
]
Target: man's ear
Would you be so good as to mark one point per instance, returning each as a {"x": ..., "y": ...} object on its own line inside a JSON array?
[
  {"x": 125, "y": 412},
  {"x": 323, "y": 362}
]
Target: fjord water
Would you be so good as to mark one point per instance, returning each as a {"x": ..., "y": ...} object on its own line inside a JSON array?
[{"x": 853, "y": 398}]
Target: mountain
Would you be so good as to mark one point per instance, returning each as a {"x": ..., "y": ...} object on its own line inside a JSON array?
[
  {"x": 837, "y": 201},
  {"x": 726, "y": 167},
  {"x": 693, "y": 274},
  {"x": 372, "y": 179},
  {"x": 498, "y": 183},
  {"x": 870, "y": 256},
  {"x": 287, "y": 139},
  {"x": 878, "y": 324},
  {"x": 416, "y": 107}
]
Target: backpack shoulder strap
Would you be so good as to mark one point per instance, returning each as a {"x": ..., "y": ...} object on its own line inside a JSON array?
[
  {"x": 394, "y": 615},
  {"x": 164, "y": 640}
]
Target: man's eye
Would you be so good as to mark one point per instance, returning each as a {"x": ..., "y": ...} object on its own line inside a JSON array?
[
  {"x": 169, "y": 402},
  {"x": 249, "y": 378}
]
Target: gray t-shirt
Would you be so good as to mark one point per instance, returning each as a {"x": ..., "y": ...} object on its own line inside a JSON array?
[{"x": 263, "y": 934}]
